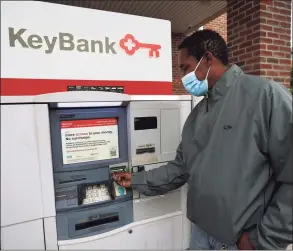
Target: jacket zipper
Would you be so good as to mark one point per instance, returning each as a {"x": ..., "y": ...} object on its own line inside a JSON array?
[{"x": 207, "y": 102}]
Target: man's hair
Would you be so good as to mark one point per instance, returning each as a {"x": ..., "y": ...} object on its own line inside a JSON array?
[{"x": 203, "y": 41}]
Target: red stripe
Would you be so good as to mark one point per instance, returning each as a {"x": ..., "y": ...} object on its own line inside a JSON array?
[
  {"x": 27, "y": 87},
  {"x": 88, "y": 123}
]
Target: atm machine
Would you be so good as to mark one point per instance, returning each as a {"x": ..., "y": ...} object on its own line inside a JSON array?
[
  {"x": 88, "y": 145},
  {"x": 58, "y": 161}
]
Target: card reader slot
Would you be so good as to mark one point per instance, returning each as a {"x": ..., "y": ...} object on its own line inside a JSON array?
[
  {"x": 97, "y": 222},
  {"x": 81, "y": 193},
  {"x": 118, "y": 169}
]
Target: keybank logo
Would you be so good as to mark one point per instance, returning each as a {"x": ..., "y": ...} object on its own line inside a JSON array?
[{"x": 68, "y": 42}]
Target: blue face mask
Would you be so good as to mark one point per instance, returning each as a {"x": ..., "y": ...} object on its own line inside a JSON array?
[{"x": 195, "y": 86}]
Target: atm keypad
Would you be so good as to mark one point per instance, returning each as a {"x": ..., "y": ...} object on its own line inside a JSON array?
[{"x": 96, "y": 193}]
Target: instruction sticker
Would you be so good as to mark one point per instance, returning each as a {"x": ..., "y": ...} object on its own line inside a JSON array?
[{"x": 89, "y": 140}]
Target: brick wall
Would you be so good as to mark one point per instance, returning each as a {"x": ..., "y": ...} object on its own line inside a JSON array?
[
  {"x": 177, "y": 84},
  {"x": 259, "y": 37},
  {"x": 219, "y": 24}
]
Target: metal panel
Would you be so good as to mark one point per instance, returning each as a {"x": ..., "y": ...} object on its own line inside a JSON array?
[
  {"x": 24, "y": 236},
  {"x": 45, "y": 159},
  {"x": 21, "y": 197},
  {"x": 50, "y": 233}
]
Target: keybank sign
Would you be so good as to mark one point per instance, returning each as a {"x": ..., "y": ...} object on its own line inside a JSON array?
[
  {"x": 64, "y": 42},
  {"x": 67, "y": 42}
]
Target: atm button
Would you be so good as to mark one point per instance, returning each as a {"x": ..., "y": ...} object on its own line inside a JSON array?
[
  {"x": 71, "y": 202},
  {"x": 140, "y": 168},
  {"x": 136, "y": 194}
]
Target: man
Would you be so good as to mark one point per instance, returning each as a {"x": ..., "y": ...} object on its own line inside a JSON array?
[{"x": 235, "y": 154}]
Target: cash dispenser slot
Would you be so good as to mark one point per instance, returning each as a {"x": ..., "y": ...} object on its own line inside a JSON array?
[
  {"x": 98, "y": 220},
  {"x": 93, "y": 220}
]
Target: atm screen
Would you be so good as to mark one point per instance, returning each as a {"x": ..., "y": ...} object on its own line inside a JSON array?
[{"x": 89, "y": 140}]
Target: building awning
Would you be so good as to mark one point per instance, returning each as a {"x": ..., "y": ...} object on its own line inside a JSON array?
[{"x": 185, "y": 16}]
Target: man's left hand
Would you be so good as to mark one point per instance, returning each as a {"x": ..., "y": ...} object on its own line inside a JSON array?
[{"x": 244, "y": 243}]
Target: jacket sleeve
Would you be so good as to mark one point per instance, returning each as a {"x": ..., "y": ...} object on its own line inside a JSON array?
[
  {"x": 274, "y": 230},
  {"x": 163, "y": 179}
]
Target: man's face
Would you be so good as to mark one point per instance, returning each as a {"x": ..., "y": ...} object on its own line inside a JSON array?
[{"x": 188, "y": 63}]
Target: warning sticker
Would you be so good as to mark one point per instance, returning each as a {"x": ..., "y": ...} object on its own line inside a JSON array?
[{"x": 89, "y": 140}]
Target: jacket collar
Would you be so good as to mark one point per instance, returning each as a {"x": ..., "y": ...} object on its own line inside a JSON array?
[{"x": 222, "y": 86}]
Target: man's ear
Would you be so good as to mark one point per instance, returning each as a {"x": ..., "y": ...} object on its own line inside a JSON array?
[{"x": 209, "y": 57}]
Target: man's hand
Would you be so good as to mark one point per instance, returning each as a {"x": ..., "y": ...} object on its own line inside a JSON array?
[
  {"x": 244, "y": 243},
  {"x": 122, "y": 178}
]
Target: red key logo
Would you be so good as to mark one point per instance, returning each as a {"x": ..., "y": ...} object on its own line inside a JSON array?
[{"x": 130, "y": 45}]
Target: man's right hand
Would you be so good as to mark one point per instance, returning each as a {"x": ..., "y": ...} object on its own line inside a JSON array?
[{"x": 122, "y": 178}]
